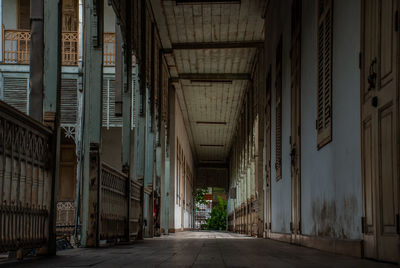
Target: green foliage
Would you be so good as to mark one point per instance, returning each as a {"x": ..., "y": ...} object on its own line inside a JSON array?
[
  {"x": 218, "y": 216},
  {"x": 200, "y": 197}
]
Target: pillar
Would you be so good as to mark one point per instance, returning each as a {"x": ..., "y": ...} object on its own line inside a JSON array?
[
  {"x": 93, "y": 80},
  {"x": 36, "y": 60},
  {"x": 51, "y": 62}
]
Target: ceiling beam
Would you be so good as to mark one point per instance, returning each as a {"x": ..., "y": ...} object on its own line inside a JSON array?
[
  {"x": 182, "y": 2},
  {"x": 217, "y": 45},
  {"x": 212, "y": 77}
]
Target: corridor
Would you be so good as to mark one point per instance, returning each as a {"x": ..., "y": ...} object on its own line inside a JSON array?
[
  {"x": 130, "y": 129},
  {"x": 200, "y": 249}
]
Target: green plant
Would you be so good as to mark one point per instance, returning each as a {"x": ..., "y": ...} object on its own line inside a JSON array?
[
  {"x": 218, "y": 216},
  {"x": 200, "y": 197}
]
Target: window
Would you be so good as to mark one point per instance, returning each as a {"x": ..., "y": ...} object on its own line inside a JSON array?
[
  {"x": 324, "y": 94},
  {"x": 278, "y": 111}
]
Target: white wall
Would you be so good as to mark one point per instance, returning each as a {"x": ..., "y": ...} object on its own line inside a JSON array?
[
  {"x": 181, "y": 134},
  {"x": 331, "y": 177}
]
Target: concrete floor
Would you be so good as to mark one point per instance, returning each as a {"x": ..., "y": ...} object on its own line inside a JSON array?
[{"x": 199, "y": 249}]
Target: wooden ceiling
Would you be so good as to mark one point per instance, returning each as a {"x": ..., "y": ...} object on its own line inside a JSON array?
[{"x": 211, "y": 48}]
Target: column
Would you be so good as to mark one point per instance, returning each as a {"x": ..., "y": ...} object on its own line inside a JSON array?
[{"x": 93, "y": 80}]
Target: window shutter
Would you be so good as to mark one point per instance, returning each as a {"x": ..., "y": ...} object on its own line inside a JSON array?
[
  {"x": 68, "y": 101},
  {"x": 133, "y": 107},
  {"x": 109, "y": 118},
  {"x": 324, "y": 96},
  {"x": 16, "y": 92},
  {"x": 278, "y": 111}
]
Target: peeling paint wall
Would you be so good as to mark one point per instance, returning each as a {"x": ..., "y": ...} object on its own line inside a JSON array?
[
  {"x": 331, "y": 199},
  {"x": 331, "y": 177}
]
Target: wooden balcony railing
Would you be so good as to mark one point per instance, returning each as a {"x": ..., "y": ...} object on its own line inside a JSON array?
[
  {"x": 109, "y": 49},
  {"x": 69, "y": 48},
  {"x": 16, "y": 47}
]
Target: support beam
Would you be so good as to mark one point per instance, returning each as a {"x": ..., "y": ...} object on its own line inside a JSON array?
[
  {"x": 93, "y": 81},
  {"x": 217, "y": 45},
  {"x": 51, "y": 81},
  {"x": 211, "y": 77}
]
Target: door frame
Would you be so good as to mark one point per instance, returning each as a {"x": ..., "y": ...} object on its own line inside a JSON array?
[
  {"x": 372, "y": 239},
  {"x": 267, "y": 147},
  {"x": 295, "y": 122}
]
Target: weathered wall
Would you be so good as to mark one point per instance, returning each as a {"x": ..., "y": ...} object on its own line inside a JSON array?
[
  {"x": 331, "y": 204},
  {"x": 280, "y": 190},
  {"x": 181, "y": 135},
  {"x": 109, "y": 18},
  {"x": 331, "y": 177},
  {"x": 111, "y": 146},
  {"x": 10, "y": 16}
]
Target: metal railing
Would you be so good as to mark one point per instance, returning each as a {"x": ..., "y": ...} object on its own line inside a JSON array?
[
  {"x": 65, "y": 221},
  {"x": 113, "y": 204},
  {"x": 25, "y": 180},
  {"x": 16, "y": 47}
]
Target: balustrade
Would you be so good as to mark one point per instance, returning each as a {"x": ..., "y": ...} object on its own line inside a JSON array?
[
  {"x": 16, "y": 47},
  {"x": 25, "y": 180}
]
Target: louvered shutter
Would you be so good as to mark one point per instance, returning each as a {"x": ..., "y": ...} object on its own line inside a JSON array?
[
  {"x": 278, "y": 112},
  {"x": 324, "y": 96},
  {"x": 109, "y": 118},
  {"x": 135, "y": 92},
  {"x": 16, "y": 92},
  {"x": 68, "y": 100}
]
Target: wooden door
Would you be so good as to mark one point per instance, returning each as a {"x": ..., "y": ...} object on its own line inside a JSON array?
[
  {"x": 295, "y": 119},
  {"x": 268, "y": 154},
  {"x": 67, "y": 181},
  {"x": 380, "y": 135}
]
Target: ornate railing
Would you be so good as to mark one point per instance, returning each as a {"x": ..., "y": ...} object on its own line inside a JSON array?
[
  {"x": 16, "y": 47},
  {"x": 113, "y": 204},
  {"x": 109, "y": 49},
  {"x": 69, "y": 48},
  {"x": 135, "y": 220},
  {"x": 65, "y": 222},
  {"x": 25, "y": 180}
]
